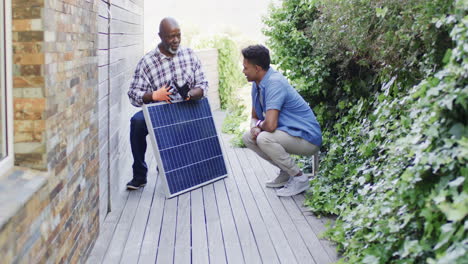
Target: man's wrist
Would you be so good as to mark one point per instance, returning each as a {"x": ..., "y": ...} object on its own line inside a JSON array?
[
  {"x": 197, "y": 93},
  {"x": 148, "y": 98},
  {"x": 189, "y": 94},
  {"x": 259, "y": 123}
]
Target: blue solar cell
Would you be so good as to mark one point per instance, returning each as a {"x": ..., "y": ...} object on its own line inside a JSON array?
[{"x": 186, "y": 140}]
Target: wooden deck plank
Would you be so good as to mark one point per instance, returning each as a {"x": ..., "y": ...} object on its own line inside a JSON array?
[
  {"x": 310, "y": 238},
  {"x": 231, "y": 237},
  {"x": 317, "y": 226},
  {"x": 292, "y": 233},
  {"x": 135, "y": 238},
  {"x": 282, "y": 247},
  {"x": 122, "y": 232},
  {"x": 214, "y": 233},
  {"x": 110, "y": 224},
  {"x": 262, "y": 238},
  {"x": 234, "y": 220},
  {"x": 105, "y": 236},
  {"x": 199, "y": 241},
  {"x": 149, "y": 246},
  {"x": 166, "y": 243},
  {"x": 245, "y": 231},
  {"x": 182, "y": 252}
]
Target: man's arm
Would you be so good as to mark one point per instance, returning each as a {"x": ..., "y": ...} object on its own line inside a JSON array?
[
  {"x": 200, "y": 88},
  {"x": 254, "y": 118},
  {"x": 196, "y": 93},
  {"x": 148, "y": 98},
  {"x": 271, "y": 121},
  {"x": 140, "y": 91},
  {"x": 275, "y": 96},
  {"x": 254, "y": 130}
]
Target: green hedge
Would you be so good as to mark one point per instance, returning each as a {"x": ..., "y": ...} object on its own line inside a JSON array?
[
  {"x": 388, "y": 82},
  {"x": 229, "y": 67},
  {"x": 231, "y": 80},
  {"x": 337, "y": 51}
]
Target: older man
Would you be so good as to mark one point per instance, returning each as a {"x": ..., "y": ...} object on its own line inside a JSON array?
[
  {"x": 282, "y": 122},
  {"x": 169, "y": 72}
]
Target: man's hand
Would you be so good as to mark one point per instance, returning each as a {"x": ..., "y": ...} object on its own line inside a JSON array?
[
  {"x": 254, "y": 131},
  {"x": 162, "y": 94},
  {"x": 183, "y": 90}
]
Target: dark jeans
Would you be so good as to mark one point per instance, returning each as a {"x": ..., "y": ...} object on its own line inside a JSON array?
[{"x": 138, "y": 133}]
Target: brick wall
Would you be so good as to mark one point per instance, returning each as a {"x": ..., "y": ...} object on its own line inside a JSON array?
[
  {"x": 73, "y": 61},
  {"x": 59, "y": 104},
  {"x": 28, "y": 83}
]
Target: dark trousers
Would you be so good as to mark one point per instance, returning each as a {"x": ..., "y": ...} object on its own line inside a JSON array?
[{"x": 138, "y": 133}]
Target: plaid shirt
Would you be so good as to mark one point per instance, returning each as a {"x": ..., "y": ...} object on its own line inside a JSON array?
[{"x": 156, "y": 69}]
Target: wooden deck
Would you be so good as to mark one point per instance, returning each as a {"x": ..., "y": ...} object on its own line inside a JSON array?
[{"x": 234, "y": 220}]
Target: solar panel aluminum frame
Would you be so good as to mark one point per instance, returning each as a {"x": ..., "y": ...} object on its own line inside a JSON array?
[{"x": 154, "y": 143}]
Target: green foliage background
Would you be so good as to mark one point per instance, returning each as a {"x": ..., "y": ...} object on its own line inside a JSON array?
[
  {"x": 388, "y": 83},
  {"x": 229, "y": 69},
  {"x": 230, "y": 81}
]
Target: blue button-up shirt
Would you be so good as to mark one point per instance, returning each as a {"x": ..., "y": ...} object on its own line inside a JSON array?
[{"x": 295, "y": 117}]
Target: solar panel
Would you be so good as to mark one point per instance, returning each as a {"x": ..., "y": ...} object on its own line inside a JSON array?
[{"x": 186, "y": 144}]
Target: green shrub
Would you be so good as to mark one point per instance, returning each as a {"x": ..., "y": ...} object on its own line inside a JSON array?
[
  {"x": 229, "y": 66},
  {"x": 235, "y": 116},
  {"x": 337, "y": 51},
  {"x": 232, "y": 84},
  {"x": 388, "y": 81}
]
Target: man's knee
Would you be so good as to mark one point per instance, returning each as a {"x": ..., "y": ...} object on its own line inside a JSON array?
[
  {"x": 247, "y": 138},
  {"x": 264, "y": 138},
  {"x": 138, "y": 120}
]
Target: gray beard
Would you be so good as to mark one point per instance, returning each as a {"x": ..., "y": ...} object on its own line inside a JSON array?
[{"x": 173, "y": 52}]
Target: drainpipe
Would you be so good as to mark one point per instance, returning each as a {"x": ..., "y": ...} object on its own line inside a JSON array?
[{"x": 109, "y": 18}]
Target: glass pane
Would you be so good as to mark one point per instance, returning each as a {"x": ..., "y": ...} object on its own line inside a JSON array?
[{"x": 3, "y": 130}]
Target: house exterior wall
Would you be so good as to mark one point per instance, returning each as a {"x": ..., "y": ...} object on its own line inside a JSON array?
[
  {"x": 29, "y": 83},
  {"x": 72, "y": 65},
  {"x": 120, "y": 47},
  {"x": 60, "y": 103}
]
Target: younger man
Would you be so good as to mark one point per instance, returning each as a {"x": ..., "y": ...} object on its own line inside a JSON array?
[{"x": 282, "y": 122}]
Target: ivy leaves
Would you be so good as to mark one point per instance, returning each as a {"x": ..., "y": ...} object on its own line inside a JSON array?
[
  {"x": 394, "y": 163},
  {"x": 230, "y": 72}
]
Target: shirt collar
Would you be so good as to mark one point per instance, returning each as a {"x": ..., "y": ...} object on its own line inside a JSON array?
[
  {"x": 264, "y": 81},
  {"x": 162, "y": 56}
]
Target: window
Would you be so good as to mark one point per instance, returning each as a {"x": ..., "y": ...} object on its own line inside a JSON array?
[{"x": 6, "y": 115}]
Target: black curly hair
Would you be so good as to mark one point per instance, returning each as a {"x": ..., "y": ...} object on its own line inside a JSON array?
[{"x": 258, "y": 55}]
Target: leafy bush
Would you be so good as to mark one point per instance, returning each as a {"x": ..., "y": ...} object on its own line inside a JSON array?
[
  {"x": 233, "y": 123},
  {"x": 394, "y": 164},
  {"x": 337, "y": 51},
  {"x": 229, "y": 67},
  {"x": 231, "y": 80}
]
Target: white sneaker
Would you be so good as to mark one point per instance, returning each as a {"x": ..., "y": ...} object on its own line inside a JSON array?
[
  {"x": 294, "y": 186},
  {"x": 279, "y": 181}
]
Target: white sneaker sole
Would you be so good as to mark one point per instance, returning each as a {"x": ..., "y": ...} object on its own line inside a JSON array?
[
  {"x": 281, "y": 184},
  {"x": 275, "y": 185},
  {"x": 291, "y": 193},
  {"x": 131, "y": 187}
]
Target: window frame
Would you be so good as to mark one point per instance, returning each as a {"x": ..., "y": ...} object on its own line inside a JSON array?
[{"x": 6, "y": 78}]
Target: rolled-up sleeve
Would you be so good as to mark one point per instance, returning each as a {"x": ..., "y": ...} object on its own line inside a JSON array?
[
  {"x": 200, "y": 78},
  {"x": 139, "y": 86}
]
